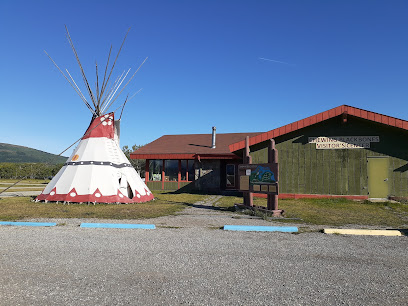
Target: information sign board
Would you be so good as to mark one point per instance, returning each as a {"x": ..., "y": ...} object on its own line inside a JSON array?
[{"x": 258, "y": 178}]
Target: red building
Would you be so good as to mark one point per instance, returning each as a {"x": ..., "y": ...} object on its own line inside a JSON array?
[
  {"x": 192, "y": 161},
  {"x": 344, "y": 151}
]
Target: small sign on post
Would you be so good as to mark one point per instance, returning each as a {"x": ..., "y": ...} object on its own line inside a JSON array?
[
  {"x": 258, "y": 178},
  {"x": 261, "y": 178}
]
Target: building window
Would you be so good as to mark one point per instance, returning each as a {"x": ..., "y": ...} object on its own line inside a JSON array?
[
  {"x": 155, "y": 169},
  {"x": 230, "y": 175},
  {"x": 171, "y": 168},
  {"x": 191, "y": 172},
  {"x": 187, "y": 170}
]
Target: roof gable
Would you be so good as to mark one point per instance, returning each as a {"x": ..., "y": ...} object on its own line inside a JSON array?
[{"x": 331, "y": 113}]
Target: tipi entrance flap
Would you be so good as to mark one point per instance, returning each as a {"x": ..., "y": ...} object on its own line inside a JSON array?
[{"x": 125, "y": 188}]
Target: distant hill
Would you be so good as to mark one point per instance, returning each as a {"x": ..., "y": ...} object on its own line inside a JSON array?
[{"x": 17, "y": 154}]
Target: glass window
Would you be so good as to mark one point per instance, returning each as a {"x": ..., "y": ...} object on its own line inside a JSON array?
[
  {"x": 191, "y": 173},
  {"x": 155, "y": 169},
  {"x": 230, "y": 175},
  {"x": 187, "y": 169},
  {"x": 183, "y": 170},
  {"x": 171, "y": 170}
]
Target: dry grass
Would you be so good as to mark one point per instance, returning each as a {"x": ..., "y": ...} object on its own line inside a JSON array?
[
  {"x": 29, "y": 185},
  {"x": 25, "y": 181},
  {"x": 39, "y": 188},
  {"x": 165, "y": 204},
  {"x": 336, "y": 212}
]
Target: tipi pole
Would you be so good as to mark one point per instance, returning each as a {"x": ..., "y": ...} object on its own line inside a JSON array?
[
  {"x": 114, "y": 63},
  {"x": 123, "y": 107},
  {"x": 104, "y": 76},
  {"x": 97, "y": 85},
  {"x": 130, "y": 79},
  {"x": 111, "y": 89},
  {"x": 111, "y": 97},
  {"x": 82, "y": 70},
  {"x": 79, "y": 93}
]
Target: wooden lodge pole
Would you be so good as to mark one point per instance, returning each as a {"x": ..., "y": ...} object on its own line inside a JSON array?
[
  {"x": 247, "y": 158},
  {"x": 272, "y": 203}
]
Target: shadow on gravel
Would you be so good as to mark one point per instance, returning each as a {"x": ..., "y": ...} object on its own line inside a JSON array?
[
  {"x": 210, "y": 207},
  {"x": 403, "y": 231},
  {"x": 207, "y": 192},
  {"x": 215, "y": 208}
]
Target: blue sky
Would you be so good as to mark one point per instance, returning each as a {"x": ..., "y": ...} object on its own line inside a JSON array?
[{"x": 242, "y": 66}]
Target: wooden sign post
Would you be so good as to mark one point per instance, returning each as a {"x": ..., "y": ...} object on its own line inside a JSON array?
[
  {"x": 272, "y": 203},
  {"x": 261, "y": 178},
  {"x": 248, "y": 196}
]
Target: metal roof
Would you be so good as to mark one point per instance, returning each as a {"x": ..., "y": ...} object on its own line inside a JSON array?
[{"x": 189, "y": 146}]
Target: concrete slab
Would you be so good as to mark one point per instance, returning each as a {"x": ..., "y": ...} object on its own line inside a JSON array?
[
  {"x": 249, "y": 228},
  {"x": 28, "y": 223},
  {"x": 362, "y": 232},
  {"x": 118, "y": 225}
]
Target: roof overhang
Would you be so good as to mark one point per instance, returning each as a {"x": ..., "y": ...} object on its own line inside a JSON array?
[
  {"x": 183, "y": 156},
  {"x": 334, "y": 112}
]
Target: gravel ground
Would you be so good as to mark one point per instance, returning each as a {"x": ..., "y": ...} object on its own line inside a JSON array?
[
  {"x": 189, "y": 261},
  {"x": 19, "y": 193},
  {"x": 77, "y": 266}
]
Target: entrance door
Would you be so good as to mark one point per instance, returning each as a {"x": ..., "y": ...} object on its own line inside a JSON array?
[{"x": 377, "y": 172}]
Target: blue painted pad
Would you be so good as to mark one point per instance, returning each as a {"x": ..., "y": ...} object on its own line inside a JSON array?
[
  {"x": 27, "y": 223},
  {"x": 249, "y": 228},
  {"x": 118, "y": 225}
]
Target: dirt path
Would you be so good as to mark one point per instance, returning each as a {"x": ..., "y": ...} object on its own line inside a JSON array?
[
  {"x": 205, "y": 214},
  {"x": 19, "y": 193},
  {"x": 202, "y": 214}
]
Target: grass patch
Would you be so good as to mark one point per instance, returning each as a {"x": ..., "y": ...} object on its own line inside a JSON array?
[
  {"x": 19, "y": 208},
  {"x": 23, "y": 189},
  {"x": 335, "y": 212},
  {"x": 25, "y": 181},
  {"x": 28, "y": 184},
  {"x": 24, "y": 185},
  {"x": 342, "y": 211}
]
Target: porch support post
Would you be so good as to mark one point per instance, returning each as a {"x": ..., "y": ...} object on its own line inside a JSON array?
[
  {"x": 179, "y": 174},
  {"x": 147, "y": 171},
  {"x": 163, "y": 173}
]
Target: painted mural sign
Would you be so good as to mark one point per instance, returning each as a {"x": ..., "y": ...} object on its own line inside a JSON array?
[
  {"x": 343, "y": 142},
  {"x": 258, "y": 178}
]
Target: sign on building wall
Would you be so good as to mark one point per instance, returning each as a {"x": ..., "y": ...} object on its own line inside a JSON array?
[
  {"x": 258, "y": 178},
  {"x": 343, "y": 142}
]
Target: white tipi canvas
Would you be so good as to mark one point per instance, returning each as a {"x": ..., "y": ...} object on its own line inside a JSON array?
[{"x": 98, "y": 171}]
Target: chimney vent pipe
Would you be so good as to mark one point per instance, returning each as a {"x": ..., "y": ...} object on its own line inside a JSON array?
[{"x": 213, "y": 137}]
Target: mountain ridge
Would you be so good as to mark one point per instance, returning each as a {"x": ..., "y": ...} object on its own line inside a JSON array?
[{"x": 10, "y": 153}]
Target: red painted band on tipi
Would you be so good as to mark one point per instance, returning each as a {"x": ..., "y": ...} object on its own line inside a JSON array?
[
  {"x": 102, "y": 126},
  {"x": 96, "y": 197}
]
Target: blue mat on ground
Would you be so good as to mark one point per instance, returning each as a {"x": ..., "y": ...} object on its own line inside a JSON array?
[
  {"x": 27, "y": 223},
  {"x": 118, "y": 225},
  {"x": 251, "y": 228}
]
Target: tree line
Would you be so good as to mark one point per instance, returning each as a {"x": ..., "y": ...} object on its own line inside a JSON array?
[{"x": 28, "y": 170}]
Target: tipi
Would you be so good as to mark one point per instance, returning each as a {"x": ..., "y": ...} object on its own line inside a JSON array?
[{"x": 98, "y": 171}]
